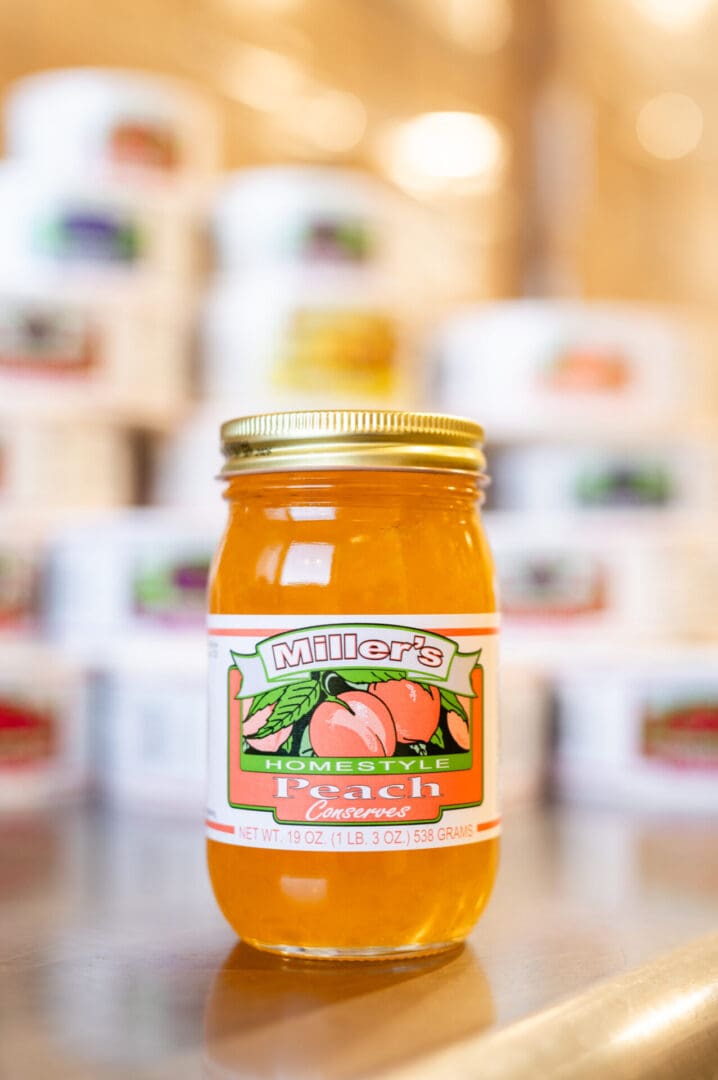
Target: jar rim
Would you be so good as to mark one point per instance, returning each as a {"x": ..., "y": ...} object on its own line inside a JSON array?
[{"x": 352, "y": 439}]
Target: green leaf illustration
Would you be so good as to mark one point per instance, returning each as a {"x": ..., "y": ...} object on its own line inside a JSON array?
[
  {"x": 370, "y": 675},
  {"x": 261, "y": 701},
  {"x": 437, "y": 739},
  {"x": 296, "y": 701},
  {"x": 452, "y": 704}
]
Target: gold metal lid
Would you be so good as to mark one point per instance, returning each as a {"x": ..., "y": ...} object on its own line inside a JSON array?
[{"x": 352, "y": 439}]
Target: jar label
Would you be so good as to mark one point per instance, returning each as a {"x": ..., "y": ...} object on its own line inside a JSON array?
[
  {"x": 335, "y": 239},
  {"x": 171, "y": 591},
  {"x": 40, "y": 338},
  {"x": 588, "y": 370},
  {"x": 682, "y": 734},
  {"x": 142, "y": 143},
  {"x": 341, "y": 348},
  {"x": 28, "y": 733},
  {"x": 352, "y": 733},
  {"x": 86, "y": 233}
]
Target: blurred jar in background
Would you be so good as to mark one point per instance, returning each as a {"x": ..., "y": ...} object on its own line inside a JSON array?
[
  {"x": 70, "y": 349},
  {"x": 549, "y": 369},
  {"x": 63, "y": 228},
  {"x": 526, "y": 709},
  {"x": 303, "y": 216},
  {"x": 303, "y": 308},
  {"x": 101, "y": 201},
  {"x": 109, "y": 125},
  {"x": 150, "y": 747},
  {"x": 183, "y": 460},
  {"x": 68, "y": 462},
  {"x": 44, "y": 743},
  {"x": 126, "y": 598},
  {"x": 616, "y": 476},
  {"x": 284, "y": 336},
  {"x": 23, "y": 553},
  {"x": 604, "y": 574},
  {"x": 641, "y": 730},
  {"x": 137, "y": 578}
]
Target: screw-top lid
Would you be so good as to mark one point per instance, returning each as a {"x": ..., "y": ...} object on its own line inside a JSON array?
[{"x": 352, "y": 439}]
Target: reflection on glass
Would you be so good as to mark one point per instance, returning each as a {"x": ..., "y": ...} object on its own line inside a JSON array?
[{"x": 307, "y": 564}]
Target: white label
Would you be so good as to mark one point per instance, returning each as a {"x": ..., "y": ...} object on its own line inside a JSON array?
[{"x": 352, "y": 733}]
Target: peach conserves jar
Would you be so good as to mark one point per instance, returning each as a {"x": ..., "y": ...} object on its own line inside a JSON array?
[{"x": 352, "y": 808}]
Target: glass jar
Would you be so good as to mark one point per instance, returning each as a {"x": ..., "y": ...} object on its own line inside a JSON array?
[{"x": 352, "y": 806}]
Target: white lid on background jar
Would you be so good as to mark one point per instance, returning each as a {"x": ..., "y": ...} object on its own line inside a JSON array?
[
  {"x": 302, "y": 214},
  {"x": 111, "y": 121}
]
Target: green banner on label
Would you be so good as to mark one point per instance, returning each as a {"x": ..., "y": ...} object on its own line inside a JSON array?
[{"x": 316, "y": 766}]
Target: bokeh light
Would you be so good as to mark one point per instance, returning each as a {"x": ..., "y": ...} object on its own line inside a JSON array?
[
  {"x": 674, "y": 15},
  {"x": 443, "y": 149},
  {"x": 328, "y": 119},
  {"x": 262, "y": 78},
  {"x": 481, "y": 25},
  {"x": 670, "y": 126}
]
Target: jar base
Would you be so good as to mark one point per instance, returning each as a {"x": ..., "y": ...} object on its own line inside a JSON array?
[{"x": 372, "y": 953}]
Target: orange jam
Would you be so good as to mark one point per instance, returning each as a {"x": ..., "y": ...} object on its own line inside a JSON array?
[{"x": 352, "y": 808}]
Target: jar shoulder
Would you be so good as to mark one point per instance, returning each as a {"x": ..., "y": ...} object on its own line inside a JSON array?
[{"x": 354, "y": 562}]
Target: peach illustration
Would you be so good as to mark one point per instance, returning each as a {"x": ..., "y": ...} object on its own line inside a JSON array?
[
  {"x": 459, "y": 729},
  {"x": 415, "y": 710},
  {"x": 365, "y": 729},
  {"x": 270, "y": 743}
]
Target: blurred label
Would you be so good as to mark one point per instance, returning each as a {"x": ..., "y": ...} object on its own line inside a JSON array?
[
  {"x": 336, "y": 349},
  {"x": 336, "y": 240},
  {"x": 27, "y": 734},
  {"x": 93, "y": 235},
  {"x": 172, "y": 592},
  {"x": 624, "y": 484},
  {"x": 143, "y": 143},
  {"x": 17, "y": 588},
  {"x": 684, "y": 736},
  {"x": 46, "y": 340},
  {"x": 556, "y": 586},
  {"x": 588, "y": 371}
]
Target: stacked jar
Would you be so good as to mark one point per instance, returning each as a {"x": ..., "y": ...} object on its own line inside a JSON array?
[
  {"x": 601, "y": 518},
  {"x": 302, "y": 312},
  {"x": 126, "y": 601},
  {"x": 101, "y": 198}
]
